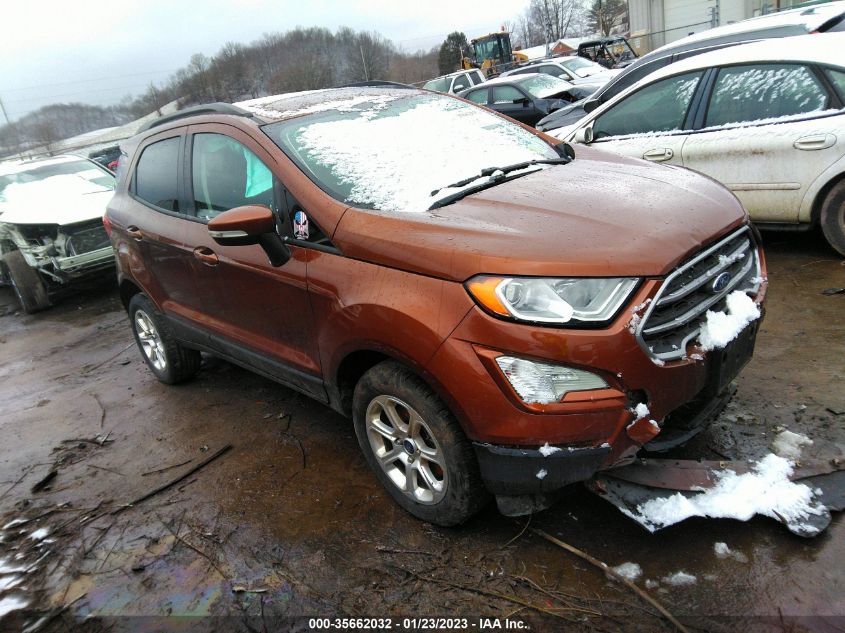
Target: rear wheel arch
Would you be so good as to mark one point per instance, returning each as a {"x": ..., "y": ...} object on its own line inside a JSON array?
[
  {"x": 128, "y": 290},
  {"x": 821, "y": 196}
]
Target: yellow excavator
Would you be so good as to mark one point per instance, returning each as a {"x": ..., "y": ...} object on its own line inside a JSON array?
[{"x": 491, "y": 53}]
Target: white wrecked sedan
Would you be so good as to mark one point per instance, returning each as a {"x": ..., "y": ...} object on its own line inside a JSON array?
[{"x": 51, "y": 227}]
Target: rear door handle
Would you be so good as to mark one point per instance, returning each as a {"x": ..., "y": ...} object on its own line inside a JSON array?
[
  {"x": 206, "y": 256},
  {"x": 134, "y": 232},
  {"x": 659, "y": 155},
  {"x": 815, "y": 141}
]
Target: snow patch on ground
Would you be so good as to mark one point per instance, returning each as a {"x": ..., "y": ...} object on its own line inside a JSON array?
[
  {"x": 629, "y": 571},
  {"x": 40, "y": 534},
  {"x": 788, "y": 444},
  {"x": 680, "y": 579},
  {"x": 765, "y": 490},
  {"x": 723, "y": 551},
  {"x": 723, "y": 327},
  {"x": 651, "y": 584},
  {"x": 546, "y": 450}
]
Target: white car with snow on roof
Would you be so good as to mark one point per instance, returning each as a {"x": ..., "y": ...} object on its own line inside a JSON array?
[
  {"x": 766, "y": 119},
  {"x": 51, "y": 229}
]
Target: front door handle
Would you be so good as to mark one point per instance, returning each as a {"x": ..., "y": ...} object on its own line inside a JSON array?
[
  {"x": 659, "y": 155},
  {"x": 815, "y": 141},
  {"x": 134, "y": 232},
  {"x": 206, "y": 256}
]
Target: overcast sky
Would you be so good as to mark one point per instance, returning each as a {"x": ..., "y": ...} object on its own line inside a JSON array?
[{"x": 97, "y": 51}]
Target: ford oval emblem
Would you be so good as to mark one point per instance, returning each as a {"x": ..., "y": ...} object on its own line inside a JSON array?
[{"x": 721, "y": 282}]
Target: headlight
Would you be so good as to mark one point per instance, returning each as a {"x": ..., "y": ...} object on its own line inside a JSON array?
[
  {"x": 543, "y": 383},
  {"x": 550, "y": 300}
]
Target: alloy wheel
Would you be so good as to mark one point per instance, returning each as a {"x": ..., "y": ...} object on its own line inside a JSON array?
[{"x": 150, "y": 340}]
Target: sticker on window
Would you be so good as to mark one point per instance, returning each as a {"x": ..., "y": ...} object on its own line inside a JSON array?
[{"x": 300, "y": 225}]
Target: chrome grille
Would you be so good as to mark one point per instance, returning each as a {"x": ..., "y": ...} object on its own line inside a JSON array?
[{"x": 675, "y": 316}]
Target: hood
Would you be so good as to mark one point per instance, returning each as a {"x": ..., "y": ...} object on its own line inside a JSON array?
[
  {"x": 601, "y": 215},
  {"x": 568, "y": 114},
  {"x": 57, "y": 200}
]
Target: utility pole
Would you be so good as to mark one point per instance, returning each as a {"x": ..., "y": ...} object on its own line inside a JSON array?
[
  {"x": 3, "y": 109},
  {"x": 364, "y": 61}
]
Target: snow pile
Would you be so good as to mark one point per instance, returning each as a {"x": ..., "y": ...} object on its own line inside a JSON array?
[
  {"x": 11, "y": 603},
  {"x": 765, "y": 490},
  {"x": 680, "y": 579},
  {"x": 443, "y": 141},
  {"x": 546, "y": 450},
  {"x": 629, "y": 571},
  {"x": 723, "y": 327},
  {"x": 723, "y": 551},
  {"x": 788, "y": 444}
]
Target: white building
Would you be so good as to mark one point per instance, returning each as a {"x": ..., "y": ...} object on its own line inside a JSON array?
[{"x": 658, "y": 22}]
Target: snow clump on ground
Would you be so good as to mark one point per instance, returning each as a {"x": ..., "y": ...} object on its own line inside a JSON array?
[
  {"x": 788, "y": 444},
  {"x": 629, "y": 571}
]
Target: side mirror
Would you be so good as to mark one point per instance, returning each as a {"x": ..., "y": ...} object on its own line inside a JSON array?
[
  {"x": 583, "y": 135},
  {"x": 591, "y": 104},
  {"x": 525, "y": 102},
  {"x": 251, "y": 224}
]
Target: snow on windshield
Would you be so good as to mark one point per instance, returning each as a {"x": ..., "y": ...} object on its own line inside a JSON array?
[
  {"x": 392, "y": 154},
  {"x": 544, "y": 86}
]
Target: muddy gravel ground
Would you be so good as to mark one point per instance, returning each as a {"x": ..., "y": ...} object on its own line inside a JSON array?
[{"x": 289, "y": 522}]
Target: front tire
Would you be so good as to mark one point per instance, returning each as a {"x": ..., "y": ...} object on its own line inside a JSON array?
[
  {"x": 415, "y": 447},
  {"x": 832, "y": 218},
  {"x": 28, "y": 285},
  {"x": 167, "y": 359}
]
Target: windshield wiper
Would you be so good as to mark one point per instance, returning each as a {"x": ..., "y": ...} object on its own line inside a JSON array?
[{"x": 498, "y": 173}]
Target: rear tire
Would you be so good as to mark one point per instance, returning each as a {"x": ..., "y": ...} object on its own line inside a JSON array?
[
  {"x": 832, "y": 218},
  {"x": 415, "y": 447},
  {"x": 28, "y": 285},
  {"x": 165, "y": 356}
]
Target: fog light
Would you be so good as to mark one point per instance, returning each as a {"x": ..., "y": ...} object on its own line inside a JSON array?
[{"x": 542, "y": 383}]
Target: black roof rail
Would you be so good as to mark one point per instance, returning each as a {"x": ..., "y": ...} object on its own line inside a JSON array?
[{"x": 209, "y": 108}]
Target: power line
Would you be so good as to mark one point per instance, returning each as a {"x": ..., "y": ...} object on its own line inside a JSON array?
[{"x": 79, "y": 81}]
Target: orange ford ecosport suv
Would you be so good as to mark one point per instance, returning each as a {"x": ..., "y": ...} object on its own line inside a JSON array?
[{"x": 496, "y": 313}]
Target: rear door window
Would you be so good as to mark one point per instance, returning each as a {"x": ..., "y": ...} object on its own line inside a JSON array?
[
  {"x": 478, "y": 96},
  {"x": 476, "y": 77},
  {"x": 555, "y": 71},
  {"x": 764, "y": 91},
  {"x": 507, "y": 94},
  {"x": 660, "y": 107},
  {"x": 225, "y": 175},
  {"x": 156, "y": 176}
]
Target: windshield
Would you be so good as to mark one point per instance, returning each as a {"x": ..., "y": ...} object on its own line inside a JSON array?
[
  {"x": 543, "y": 86},
  {"x": 582, "y": 67},
  {"x": 83, "y": 169},
  {"x": 391, "y": 152},
  {"x": 439, "y": 85}
]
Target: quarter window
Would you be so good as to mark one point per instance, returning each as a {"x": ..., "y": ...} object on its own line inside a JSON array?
[
  {"x": 507, "y": 94},
  {"x": 660, "y": 107},
  {"x": 754, "y": 93},
  {"x": 156, "y": 177},
  {"x": 837, "y": 78},
  {"x": 227, "y": 175}
]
